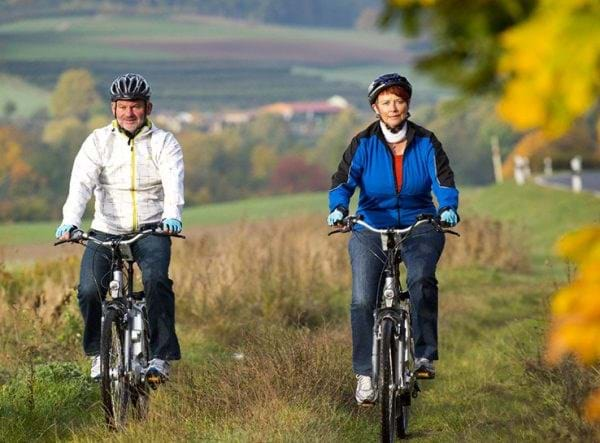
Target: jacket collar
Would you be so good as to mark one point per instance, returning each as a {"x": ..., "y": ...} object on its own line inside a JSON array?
[
  {"x": 146, "y": 128},
  {"x": 410, "y": 132}
]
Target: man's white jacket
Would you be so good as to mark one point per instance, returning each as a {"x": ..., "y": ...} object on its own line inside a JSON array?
[{"x": 135, "y": 181}]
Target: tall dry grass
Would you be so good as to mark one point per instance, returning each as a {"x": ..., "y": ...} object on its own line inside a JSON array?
[
  {"x": 287, "y": 273},
  {"x": 229, "y": 278},
  {"x": 277, "y": 293}
]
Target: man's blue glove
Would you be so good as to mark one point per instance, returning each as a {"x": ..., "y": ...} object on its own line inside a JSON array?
[
  {"x": 63, "y": 229},
  {"x": 171, "y": 225},
  {"x": 335, "y": 217},
  {"x": 449, "y": 217}
]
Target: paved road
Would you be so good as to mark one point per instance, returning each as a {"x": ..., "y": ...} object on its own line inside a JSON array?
[{"x": 590, "y": 180}]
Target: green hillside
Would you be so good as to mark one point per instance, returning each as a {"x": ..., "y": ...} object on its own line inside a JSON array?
[{"x": 199, "y": 62}]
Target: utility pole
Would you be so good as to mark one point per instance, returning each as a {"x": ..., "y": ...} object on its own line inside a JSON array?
[
  {"x": 496, "y": 159},
  {"x": 576, "y": 183}
]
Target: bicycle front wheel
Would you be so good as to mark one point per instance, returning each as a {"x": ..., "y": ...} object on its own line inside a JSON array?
[
  {"x": 140, "y": 393},
  {"x": 404, "y": 399},
  {"x": 115, "y": 384},
  {"x": 386, "y": 382}
]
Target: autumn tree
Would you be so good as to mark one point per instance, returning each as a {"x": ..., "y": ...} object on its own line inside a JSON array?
[
  {"x": 542, "y": 55},
  {"x": 20, "y": 185},
  {"x": 335, "y": 139},
  {"x": 466, "y": 36},
  {"x": 294, "y": 174},
  {"x": 75, "y": 95},
  {"x": 552, "y": 65}
]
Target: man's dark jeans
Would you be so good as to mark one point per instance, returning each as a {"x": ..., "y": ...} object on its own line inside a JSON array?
[
  {"x": 153, "y": 255},
  {"x": 420, "y": 253}
]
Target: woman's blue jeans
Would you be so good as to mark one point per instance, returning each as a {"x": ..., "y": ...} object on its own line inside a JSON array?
[
  {"x": 153, "y": 255},
  {"x": 420, "y": 253}
]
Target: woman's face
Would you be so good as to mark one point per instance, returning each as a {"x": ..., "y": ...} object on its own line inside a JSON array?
[{"x": 393, "y": 110}]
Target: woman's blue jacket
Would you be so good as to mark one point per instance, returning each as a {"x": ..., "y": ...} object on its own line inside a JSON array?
[{"x": 368, "y": 163}]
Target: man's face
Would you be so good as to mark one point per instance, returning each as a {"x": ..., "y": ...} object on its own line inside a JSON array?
[{"x": 131, "y": 114}]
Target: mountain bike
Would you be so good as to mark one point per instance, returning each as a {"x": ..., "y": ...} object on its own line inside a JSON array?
[
  {"x": 124, "y": 339},
  {"x": 393, "y": 358}
]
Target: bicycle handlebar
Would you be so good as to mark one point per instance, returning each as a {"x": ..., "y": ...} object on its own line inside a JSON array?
[
  {"x": 79, "y": 236},
  {"x": 351, "y": 220}
]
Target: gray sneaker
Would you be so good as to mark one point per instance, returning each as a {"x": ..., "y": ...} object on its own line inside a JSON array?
[
  {"x": 365, "y": 393},
  {"x": 96, "y": 370},
  {"x": 157, "y": 371},
  {"x": 424, "y": 368}
]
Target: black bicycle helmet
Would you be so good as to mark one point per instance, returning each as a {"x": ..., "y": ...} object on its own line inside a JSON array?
[
  {"x": 130, "y": 87},
  {"x": 385, "y": 81}
]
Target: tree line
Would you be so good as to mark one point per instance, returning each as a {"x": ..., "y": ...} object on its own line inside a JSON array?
[
  {"x": 261, "y": 157},
  {"x": 331, "y": 13}
]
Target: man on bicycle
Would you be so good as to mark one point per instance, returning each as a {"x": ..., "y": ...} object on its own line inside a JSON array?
[
  {"x": 135, "y": 172},
  {"x": 396, "y": 164}
]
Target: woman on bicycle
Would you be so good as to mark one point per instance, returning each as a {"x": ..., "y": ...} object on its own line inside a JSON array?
[{"x": 396, "y": 164}]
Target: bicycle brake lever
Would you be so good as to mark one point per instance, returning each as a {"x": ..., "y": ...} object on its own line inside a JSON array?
[
  {"x": 449, "y": 231},
  {"x": 76, "y": 237},
  {"x": 342, "y": 230}
]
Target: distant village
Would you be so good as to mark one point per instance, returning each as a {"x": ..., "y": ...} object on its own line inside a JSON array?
[{"x": 305, "y": 117}]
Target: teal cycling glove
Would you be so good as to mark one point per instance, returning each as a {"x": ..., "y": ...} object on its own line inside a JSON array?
[
  {"x": 335, "y": 217},
  {"x": 172, "y": 225},
  {"x": 449, "y": 217},
  {"x": 63, "y": 229}
]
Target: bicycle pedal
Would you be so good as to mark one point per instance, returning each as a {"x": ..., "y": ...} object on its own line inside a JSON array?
[
  {"x": 153, "y": 383},
  {"x": 425, "y": 375},
  {"x": 366, "y": 404},
  {"x": 154, "y": 380}
]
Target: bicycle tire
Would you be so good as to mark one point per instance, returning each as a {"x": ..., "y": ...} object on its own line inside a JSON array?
[
  {"x": 386, "y": 382},
  {"x": 115, "y": 386},
  {"x": 403, "y": 401},
  {"x": 140, "y": 393}
]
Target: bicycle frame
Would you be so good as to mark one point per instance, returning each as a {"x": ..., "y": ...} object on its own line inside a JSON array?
[
  {"x": 393, "y": 304},
  {"x": 131, "y": 305},
  {"x": 395, "y": 382},
  {"x": 124, "y": 331},
  {"x": 130, "y": 309}
]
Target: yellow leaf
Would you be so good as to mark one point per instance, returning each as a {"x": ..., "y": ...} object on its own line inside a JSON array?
[
  {"x": 592, "y": 406},
  {"x": 581, "y": 245},
  {"x": 552, "y": 61}
]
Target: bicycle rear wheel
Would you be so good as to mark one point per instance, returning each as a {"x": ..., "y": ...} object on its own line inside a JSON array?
[
  {"x": 386, "y": 382},
  {"x": 115, "y": 384}
]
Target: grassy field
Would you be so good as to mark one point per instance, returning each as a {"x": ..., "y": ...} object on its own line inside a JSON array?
[
  {"x": 278, "y": 294},
  {"x": 27, "y": 97},
  {"x": 271, "y": 207},
  {"x": 198, "y": 62}
]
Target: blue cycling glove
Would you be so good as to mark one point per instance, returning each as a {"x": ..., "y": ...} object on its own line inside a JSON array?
[
  {"x": 63, "y": 229},
  {"x": 172, "y": 225},
  {"x": 449, "y": 217},
  {"x": 335, "y": 217}
]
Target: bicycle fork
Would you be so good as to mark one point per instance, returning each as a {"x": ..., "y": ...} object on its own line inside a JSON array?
[{"x": 116, "y": 293}]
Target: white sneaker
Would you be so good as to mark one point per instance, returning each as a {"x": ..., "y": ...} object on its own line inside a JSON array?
[
  {"x": 365, "y": 393},
  {"x": 95, "y": 371}
]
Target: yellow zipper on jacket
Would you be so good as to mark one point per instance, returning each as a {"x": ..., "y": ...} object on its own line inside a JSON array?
[{"x": 133, "y": 175}]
